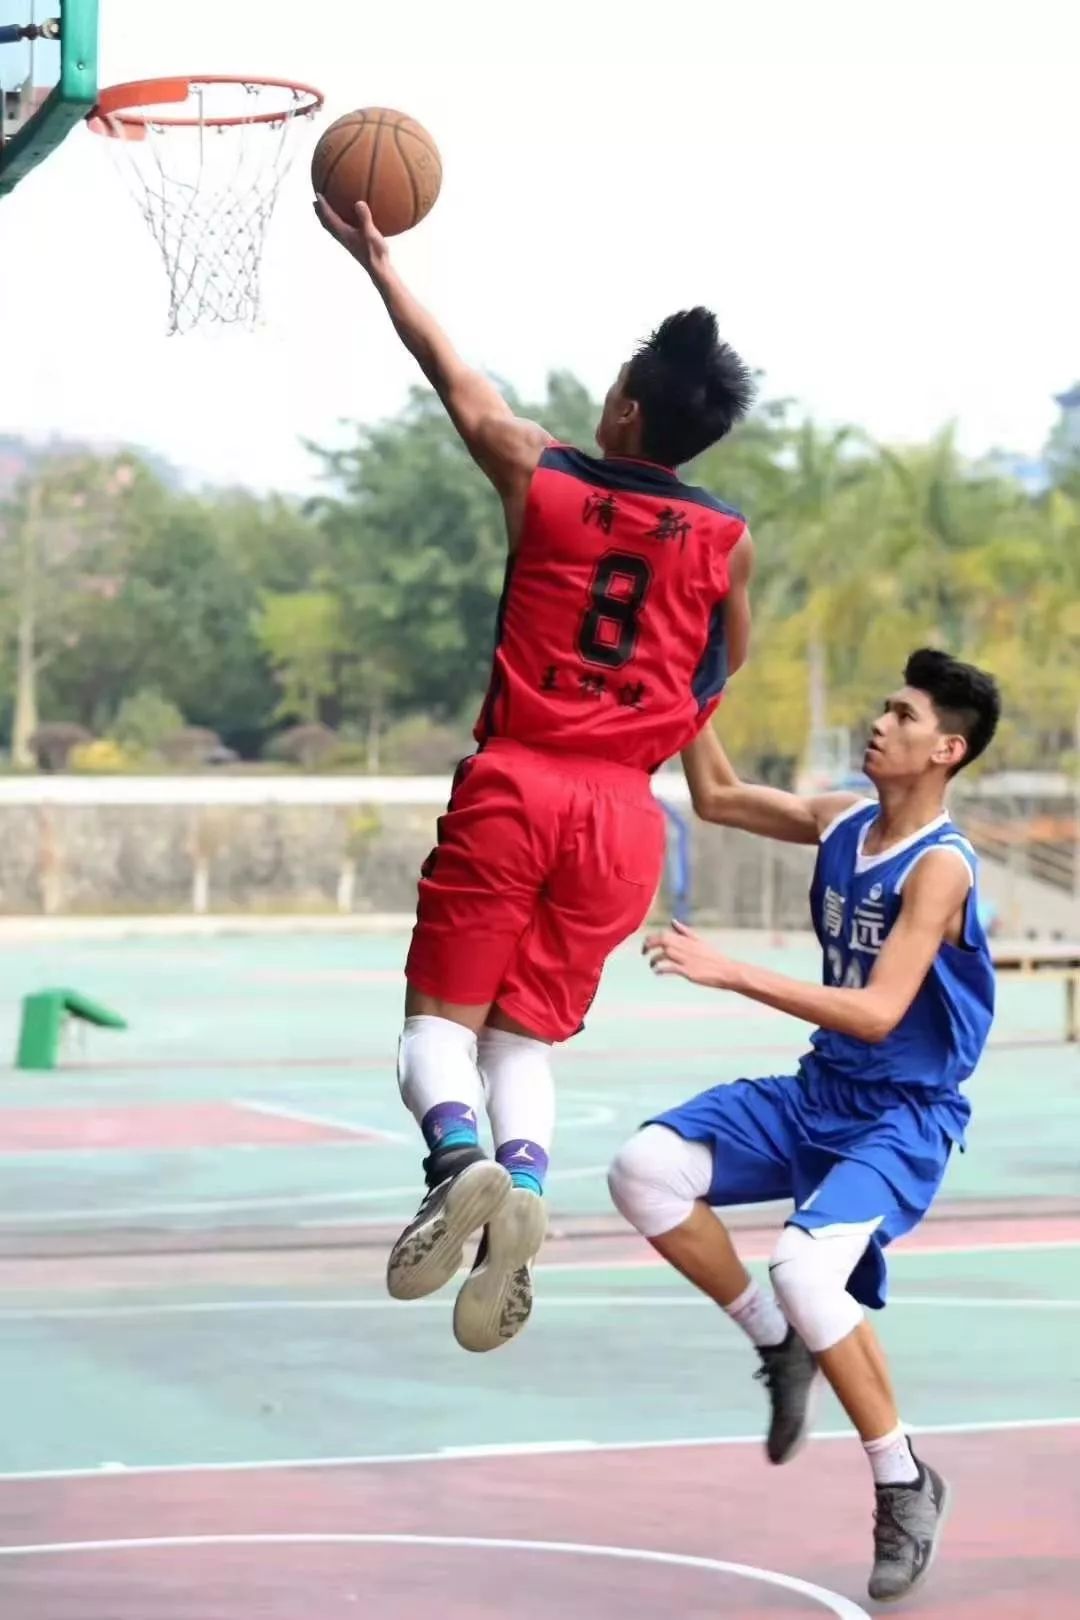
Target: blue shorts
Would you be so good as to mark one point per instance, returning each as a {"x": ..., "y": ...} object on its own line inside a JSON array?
[{"x": 845, "y": 1153}]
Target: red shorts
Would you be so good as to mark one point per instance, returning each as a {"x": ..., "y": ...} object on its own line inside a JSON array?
[{"x": 544, "y": 864}]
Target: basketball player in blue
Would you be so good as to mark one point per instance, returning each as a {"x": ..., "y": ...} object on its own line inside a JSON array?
[{"x": 860, "y": 1137}]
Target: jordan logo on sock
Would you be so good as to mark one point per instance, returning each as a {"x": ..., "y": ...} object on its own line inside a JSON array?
[{"x": 526, "y": 1161}]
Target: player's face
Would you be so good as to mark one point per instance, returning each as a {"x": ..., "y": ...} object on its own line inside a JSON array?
[
  {"x": 907, "y": 739},
  {"x": 618, "y": 432}
]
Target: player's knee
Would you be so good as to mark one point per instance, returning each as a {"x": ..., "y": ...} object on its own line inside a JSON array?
[
  {"x": 631, "y": 1183},
  {"x": 656, "y": 1178},
  {"x": 809, "y": 1276}
]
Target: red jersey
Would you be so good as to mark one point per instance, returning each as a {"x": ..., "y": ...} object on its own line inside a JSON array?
[{"x": 610, "y": 634}]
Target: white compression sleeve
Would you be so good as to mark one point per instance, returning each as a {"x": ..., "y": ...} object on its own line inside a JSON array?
[
  {"x": 519, "y": 1087},
  {"x": 437, "y": 1067}
]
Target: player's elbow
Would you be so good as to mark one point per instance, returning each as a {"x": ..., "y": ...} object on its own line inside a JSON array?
[
  {"x": 711, "y": 804},
  {"x": 877, "y": 1018},
  {"x": 737, "y": 656}
]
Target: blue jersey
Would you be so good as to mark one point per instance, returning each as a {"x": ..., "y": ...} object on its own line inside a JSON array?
[{"x": 855, "y": 900}]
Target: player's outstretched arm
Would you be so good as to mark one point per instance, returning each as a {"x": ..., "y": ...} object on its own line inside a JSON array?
[
  {"x": 503, "y": 445},
  {"x": 932, "y": 898},
  {"x": 718, "y": 795}
]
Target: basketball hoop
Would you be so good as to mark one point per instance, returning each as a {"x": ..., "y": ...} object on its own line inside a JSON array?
[{"x": 205, "y": 157}]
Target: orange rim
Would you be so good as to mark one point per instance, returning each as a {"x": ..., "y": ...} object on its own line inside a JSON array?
[{"x": 122, "y": 109}]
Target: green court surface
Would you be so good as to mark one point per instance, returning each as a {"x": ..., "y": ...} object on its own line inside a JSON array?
[
  {"x": 308, "y": 1024},
  {"x": 194, "y": 1215}
]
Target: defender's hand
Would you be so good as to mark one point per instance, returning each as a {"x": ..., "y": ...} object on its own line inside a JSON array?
[
  {"x": 679, "y": 950},
  {"x": 367, "y": 245}
]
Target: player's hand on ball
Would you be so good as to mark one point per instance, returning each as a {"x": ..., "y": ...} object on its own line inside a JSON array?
[
  {"x": 679, "y": 950},
  {"x": 363, "y": 241}
]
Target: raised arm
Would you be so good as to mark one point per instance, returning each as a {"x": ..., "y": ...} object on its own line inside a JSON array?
[
  {"x": 504, "y": 446},
  {"x": 718, "y": 795}
]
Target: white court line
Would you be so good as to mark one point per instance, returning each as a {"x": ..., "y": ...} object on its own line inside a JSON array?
[
  {"x": 897, "y": 1251},
  {"x": 990, "y": 1303},
  {"x": 330, "y": 1122},
  {"x": 586, "y": 1116},
  {"x": 220, "y": 1206},
  {"x": 208, "y": 1206},
  {"x": 526, "y": 1448},
  {"x": 660, "y": 1299},
  {"x": 843, "y": 1608}
]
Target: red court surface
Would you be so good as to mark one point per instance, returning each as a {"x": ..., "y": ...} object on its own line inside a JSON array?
[
  {"x": 165, "y": 1127},
  {"x": 628, "y": 1533}
]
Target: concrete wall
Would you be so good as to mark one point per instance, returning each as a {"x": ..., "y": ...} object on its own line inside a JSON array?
[
  {"x": 90, "y": 858},
  {"x": 58, "y": 859},
  {"x": 123, "y": 845}
]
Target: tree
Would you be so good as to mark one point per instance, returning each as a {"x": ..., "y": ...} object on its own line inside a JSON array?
[
  {"x": 127, "y": 602},
  {"x": 64, "y": 526},
  {"x": 180, "y": 617},
  {"x": 303, "y": 635}
]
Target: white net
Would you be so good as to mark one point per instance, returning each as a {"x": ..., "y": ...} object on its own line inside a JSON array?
[{"x": 207, "y": 190}]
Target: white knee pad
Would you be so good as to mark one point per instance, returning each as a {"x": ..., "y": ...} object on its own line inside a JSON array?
[
  {"x": 809, "y": 1273},
  {"x": 656, "y": 1178}
]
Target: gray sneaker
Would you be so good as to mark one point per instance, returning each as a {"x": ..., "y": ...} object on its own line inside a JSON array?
[
  {"x": 908, "y": 1521},
  {"x": 496, "y": 1298},
  {"x": 789, "y": 1373},
  {"x": 465, "y": 1188}
]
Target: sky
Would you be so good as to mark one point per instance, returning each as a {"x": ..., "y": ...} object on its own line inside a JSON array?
[{"x": 878, "y": 200}]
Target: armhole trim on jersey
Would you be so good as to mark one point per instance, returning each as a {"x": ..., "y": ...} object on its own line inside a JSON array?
[
  {"x": 741, "y": 529},
  {"x": 845, "y": 815},
  {"x": 954, "y": 844}
]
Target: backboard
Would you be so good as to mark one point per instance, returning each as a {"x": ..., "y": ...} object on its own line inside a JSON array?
[{"x": 48, "y": 79}]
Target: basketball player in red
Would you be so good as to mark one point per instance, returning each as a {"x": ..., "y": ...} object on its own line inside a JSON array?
[{"x": 625, "y": 610}]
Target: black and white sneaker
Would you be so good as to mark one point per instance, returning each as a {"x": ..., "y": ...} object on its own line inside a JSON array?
[
  {"x": 465, "y": 1188},
  {"x": 908, "y": 1521},
  {"x": 496, "y": 1297},
  {"x": 790, "y": 1374}
]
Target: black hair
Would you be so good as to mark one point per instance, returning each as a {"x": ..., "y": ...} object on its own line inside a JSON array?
[
  {"x": 966, "y": 700},
  {"x": 691, "y": 387}
]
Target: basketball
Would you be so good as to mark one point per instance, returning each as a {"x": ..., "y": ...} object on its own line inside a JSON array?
[{"x": 383, "y": 158}]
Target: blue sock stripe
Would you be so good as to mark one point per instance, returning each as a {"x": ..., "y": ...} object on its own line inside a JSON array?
[
  {"x": 458, "y": 1138},
  {"x": 450, "y": 1124}
]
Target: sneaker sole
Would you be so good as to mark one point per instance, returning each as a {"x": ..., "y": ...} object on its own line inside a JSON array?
[
  {"x": 496, "y": 1299},
  {"x": 427, "y": 1258},
  {"x": 902, "y": 1597}
]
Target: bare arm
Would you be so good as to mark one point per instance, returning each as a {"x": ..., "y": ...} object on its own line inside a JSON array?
[
  {"x": 933, "y": 899},
  {"x": 718, "y": 795},
  {"x": 504, "y": 446},
  {"x": 737, "y": 602}
]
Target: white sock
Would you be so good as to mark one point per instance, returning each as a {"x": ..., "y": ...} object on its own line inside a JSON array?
[
  {"x": 759, "y": 1316},
  {"x": 520, "y": 1092},
  {"x": 891, "y": 1458},
  {"x": 437, "y": 1074}
]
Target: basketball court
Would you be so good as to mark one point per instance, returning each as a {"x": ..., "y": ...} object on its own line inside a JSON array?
[
  {"x": 216, "y": 1409},
  {"x": 212, "y": 1407}
]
